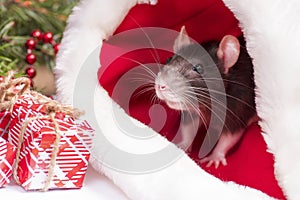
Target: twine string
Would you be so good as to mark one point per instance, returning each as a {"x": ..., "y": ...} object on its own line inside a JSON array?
[
  {"x": 18, "y": 153},
  {"x": 9, "y": 94},
  {"x": 57, "y": 131},
  {"x": 8, "y": 86},
  {"x": 55, "y": 106},
  {"x": 54, "y": 152}
]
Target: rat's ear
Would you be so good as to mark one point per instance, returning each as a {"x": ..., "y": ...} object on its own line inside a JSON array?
[
  {"x": 229, "y": 51},
  {"x": 181, "y": 40}
]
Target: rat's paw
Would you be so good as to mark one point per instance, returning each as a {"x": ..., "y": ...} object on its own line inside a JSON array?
[
  {"x": 214, "y": 158},
  {"x": 152, "y": 2}
]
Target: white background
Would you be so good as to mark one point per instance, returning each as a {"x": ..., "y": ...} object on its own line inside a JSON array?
[{"x": 95, "y": 187}]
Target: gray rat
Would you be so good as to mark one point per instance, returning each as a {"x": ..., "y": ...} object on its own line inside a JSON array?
[{"x": 185, "y": 83}]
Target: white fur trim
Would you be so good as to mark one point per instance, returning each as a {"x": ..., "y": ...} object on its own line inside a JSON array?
[
  {"x": 90, "y": 23},
  {"x": 272, "y": 30}
]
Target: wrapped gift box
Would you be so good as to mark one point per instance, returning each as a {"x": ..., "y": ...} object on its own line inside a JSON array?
[
  {"x": 4, "y": 123},
  {"x": 7, "y": 157},
  {"x": 37, "y": 144}
]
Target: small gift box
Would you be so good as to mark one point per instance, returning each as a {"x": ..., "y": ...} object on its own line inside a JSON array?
[
  {"x": 10, "y": 88},
  {"x": 52, "y": 148},
  {"x": 4, "y": 123},
  {"x": 7, "y": 157}
]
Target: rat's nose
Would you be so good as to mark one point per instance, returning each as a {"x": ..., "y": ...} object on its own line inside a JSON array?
[{"x": 162, "y": 87}]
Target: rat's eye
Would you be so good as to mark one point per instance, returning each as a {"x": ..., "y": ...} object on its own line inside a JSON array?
[{"x": 198, "y": 68}]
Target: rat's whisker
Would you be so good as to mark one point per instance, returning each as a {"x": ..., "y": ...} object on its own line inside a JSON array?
[
  {"x": 146, "y": 74},
  {"x": 144, "y": 89},
  {"x": 226, "y": 80},
  {"x": 154, "y": 99},
  {"x": 149, "y": 71},
  {"x": 187, "y": 105},
  {"x": 190, "y": 104},
  {"x": 204, "y": 95},
  {"x": 156, "y": 56},
  {"x": 144, "y": 67},
  {"x": 141, "y": 80},
  {"x": 222, "y": 93},
  {"x": 199, "y": 113},
  {"x": 215, "y": 100}
]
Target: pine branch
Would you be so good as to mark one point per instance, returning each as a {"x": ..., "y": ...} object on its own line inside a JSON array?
[{"x": 18, "y": 18}]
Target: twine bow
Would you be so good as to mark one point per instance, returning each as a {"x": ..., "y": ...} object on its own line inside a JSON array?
[
  {"x": 9, "y": 90},
  {"x": 9, "y": 94}
]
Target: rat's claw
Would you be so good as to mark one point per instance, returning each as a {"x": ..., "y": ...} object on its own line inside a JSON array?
[
  {"x": 217, "y": 163},
  {"x": 215, "y": 159},
  {"x": 206, "y": 159},
  {"x": 209, "y": 163},
  {"x": 151, "y": 2},
  {"x": 224, "y": 161}
]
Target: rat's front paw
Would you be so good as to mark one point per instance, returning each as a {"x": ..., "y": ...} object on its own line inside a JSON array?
[
  {"x": 152, "y": 2},
  {"x": 214, "y": 158}
]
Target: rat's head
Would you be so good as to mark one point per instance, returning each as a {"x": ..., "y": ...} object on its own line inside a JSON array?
[{"x": 181, "y": 83}]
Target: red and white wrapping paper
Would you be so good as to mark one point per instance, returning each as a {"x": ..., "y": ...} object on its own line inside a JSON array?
[
  {"x": 7, "y": 158},
  {"x": 36, "y": 150},
  {"x": 4, "y": 123}
]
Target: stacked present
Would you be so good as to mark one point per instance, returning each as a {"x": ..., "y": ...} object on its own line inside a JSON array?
[
  {"x": 7, "y": 157},
  {"x": 51, "y": 146}
]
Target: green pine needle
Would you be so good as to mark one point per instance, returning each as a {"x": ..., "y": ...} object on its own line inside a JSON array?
[{"x": 18, "y": 18}]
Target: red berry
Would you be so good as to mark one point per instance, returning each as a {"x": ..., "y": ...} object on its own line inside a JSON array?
[
  {"x": 48, "y": 37},
  {"x": 56, "y": 48},
  {"x": 37, "y": 34},
  {"x": 30, "y": 71},
  {"x": 1, "y": 79},
  {"x": 30, "y": 58},
  {"x": 30, "y": 43}
]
